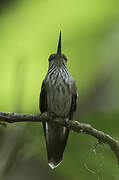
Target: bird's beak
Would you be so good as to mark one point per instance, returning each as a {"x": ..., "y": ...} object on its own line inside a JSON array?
[
  {"x": 58, "y": 59},
  {"x": 59, "y": 46}
]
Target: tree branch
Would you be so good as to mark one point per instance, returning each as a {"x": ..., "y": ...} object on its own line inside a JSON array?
[{"x": 72, "y": 125}]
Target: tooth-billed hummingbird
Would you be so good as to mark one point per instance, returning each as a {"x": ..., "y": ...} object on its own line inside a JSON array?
[{"x": 59, "y": 96}]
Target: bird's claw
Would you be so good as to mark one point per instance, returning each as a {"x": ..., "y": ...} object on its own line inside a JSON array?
[{"x": 3, "y": 124}]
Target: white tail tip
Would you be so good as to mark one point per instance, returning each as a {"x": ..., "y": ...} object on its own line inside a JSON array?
[{"x": 52, "y": 165}]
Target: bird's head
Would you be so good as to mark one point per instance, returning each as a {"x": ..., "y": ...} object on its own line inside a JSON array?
[{"x": 58, "y": 59}]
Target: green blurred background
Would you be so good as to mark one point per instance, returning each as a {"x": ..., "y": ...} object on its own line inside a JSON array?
[{"x": 29, "y": 31}]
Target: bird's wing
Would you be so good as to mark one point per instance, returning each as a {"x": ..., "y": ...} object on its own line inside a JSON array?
[
  {"x": 43, "y": 102},
  {"x": 43, "y": 98},
  {"x": 74, "y": 102}
]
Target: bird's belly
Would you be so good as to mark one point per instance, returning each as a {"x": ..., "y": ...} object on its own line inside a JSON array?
[{"x": 59, "y": 101}]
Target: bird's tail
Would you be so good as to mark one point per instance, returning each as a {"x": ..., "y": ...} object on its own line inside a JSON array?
[{"x": 56, "y": 139}]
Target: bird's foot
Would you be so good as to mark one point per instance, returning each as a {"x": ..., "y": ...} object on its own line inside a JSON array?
[{"x": 3, "y": 124}]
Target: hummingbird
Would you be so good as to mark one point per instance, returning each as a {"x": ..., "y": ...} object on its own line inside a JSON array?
[{"x": 59, "y": 96}]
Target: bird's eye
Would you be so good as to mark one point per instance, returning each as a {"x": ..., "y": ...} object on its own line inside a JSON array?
[
  {"x": 52, "y": 56},
  {"x": 64, "y": 57}
]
